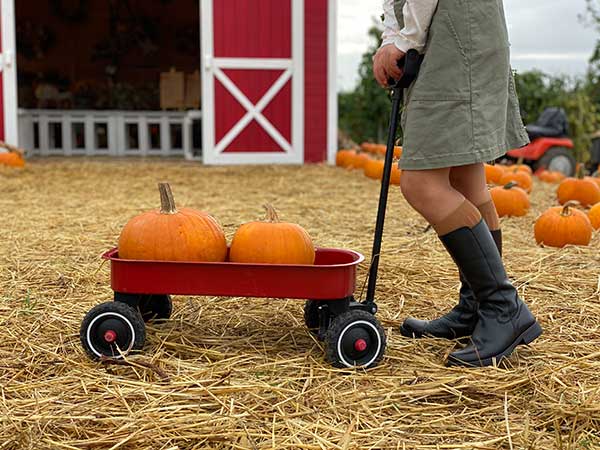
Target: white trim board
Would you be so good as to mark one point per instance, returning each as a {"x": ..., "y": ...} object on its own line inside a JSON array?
[
  {"x": 8, "y": 66},
  {"x": 332, "y": 104}
]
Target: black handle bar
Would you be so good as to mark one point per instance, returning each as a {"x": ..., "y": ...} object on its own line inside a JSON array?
[{"x": 410, "y": 65}]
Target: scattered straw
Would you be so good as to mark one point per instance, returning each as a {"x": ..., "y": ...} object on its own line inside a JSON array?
[{"x": 232, "y": 373}]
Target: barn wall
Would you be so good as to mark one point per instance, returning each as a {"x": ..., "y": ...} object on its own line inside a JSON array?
[{"x": 316, "y": 80}]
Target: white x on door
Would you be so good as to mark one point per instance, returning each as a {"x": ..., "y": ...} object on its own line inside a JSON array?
[
  {"x": 8, "y": 74},
  {"x": 252, "y": 85}
]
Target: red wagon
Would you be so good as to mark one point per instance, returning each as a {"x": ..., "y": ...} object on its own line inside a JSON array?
[{"x": 142, "y": 289}]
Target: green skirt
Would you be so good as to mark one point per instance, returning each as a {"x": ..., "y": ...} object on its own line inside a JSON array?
[{"x": 463, "y": 107}]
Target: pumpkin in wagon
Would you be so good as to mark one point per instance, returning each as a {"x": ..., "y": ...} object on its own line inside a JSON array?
[
  {"x": 172, "y": 234},
  {"x": 510, "y": 200},
  {"x": 272, "y": 242},
  {"x": 563, "y": 225}
]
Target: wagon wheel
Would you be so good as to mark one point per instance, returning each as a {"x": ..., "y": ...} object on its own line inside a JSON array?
[
  {"x": 311, "y": 316},
  {"x": 155, "y": 307},
  {"x": 112, "y": 329},
  {"x": 151, "y": 307},
  {"x": 355, "y": 339}
]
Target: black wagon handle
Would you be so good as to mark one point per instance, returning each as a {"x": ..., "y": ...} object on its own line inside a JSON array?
[{"x": 410, "y": 64}]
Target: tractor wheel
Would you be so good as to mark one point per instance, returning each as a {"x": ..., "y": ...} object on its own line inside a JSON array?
[{"x": 558, "y": 159}]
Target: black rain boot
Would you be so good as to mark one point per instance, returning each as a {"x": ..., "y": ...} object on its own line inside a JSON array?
[
  {"x": 504, "y": 321},
  {"x": 460, "y": 321}
]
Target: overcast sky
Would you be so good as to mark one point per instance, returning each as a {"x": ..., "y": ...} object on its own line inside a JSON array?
[{"x": 544, "y": 34}]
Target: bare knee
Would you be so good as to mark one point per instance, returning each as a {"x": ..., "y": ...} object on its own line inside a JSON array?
[{"x": 419, "y": 190}]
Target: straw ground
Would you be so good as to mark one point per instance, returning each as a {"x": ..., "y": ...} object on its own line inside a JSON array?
[{"x": 230, "y": 373}]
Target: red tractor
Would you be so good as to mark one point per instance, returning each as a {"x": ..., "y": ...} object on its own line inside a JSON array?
[{"x": 550, "y": 146}]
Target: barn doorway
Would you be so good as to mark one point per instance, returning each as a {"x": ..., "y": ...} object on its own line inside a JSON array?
[{"x": 91, "y": 74}]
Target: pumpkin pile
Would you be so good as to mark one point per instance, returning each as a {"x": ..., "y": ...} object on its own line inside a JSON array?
[{"x": 172, "y": 234}]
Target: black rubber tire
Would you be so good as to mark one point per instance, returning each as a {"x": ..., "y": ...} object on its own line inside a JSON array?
[
  {"x": 311, "y": 316},
  {"x": 362, "y": 325},
  {"x": 126, "y": 321},
  {"x": 545, "y": 161},
  {"x": 155, "y": 307}
]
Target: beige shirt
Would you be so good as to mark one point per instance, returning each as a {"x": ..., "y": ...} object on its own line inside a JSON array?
[{"x": 417, "y": 20}]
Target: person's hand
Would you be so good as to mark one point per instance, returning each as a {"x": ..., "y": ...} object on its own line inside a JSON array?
[{"x": 385, "y": 64}]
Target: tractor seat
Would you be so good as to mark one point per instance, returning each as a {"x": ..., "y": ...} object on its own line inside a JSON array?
[{"x": 552, "y": 123}]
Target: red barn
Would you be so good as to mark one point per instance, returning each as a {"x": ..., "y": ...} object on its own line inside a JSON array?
[{"x": 82, "y": 78}]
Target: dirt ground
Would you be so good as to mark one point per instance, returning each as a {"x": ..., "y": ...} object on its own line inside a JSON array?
[{"x": 245, "y": 373}]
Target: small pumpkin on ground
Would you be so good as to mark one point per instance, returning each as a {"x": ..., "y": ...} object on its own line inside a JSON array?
[
  {"x": 374, "y": 169},
  {"x": 580, "y": 189},
  {"x": 549, "y": 176},
  {"x": 594, "y": 215},
  {"x": 523, "y": 168},
  {"x": 563, "y": 225},
  {"x": 396, "y": 175},
  {"x": 510, "y": 200},
  {"x": 344, "y": 158},
  {"x": 272, "y": 242},
  {"x": 397, "y": 152},
  {"x": 170, "y": 234},
  {"x": 523, "y": 179},
  {"x": 13, "y": 158},
  {"x": 359, "y": 161},
  {"x": 493, "y": 173}
]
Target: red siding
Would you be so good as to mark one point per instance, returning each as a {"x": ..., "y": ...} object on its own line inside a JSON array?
[
  {"x": 1, "y": 86},
  {"x": 253, "y": 29},
  {"x": 316, "y": 80}
]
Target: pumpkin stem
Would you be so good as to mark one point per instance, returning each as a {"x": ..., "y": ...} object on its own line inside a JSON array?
[
  {"x": 580, "y": 171},
  {"x": 167, "y": 202},
  {"x": 271, "y": 213},
  {"x": 566, "y": 209},
  {"x": 511, "y": 185},
  {"x": 520, "y": 161}
]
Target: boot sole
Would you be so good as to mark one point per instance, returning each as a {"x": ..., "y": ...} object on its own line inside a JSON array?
[
  {"x": 407, "y": 333},
  {"x": 527, "y": 337}
]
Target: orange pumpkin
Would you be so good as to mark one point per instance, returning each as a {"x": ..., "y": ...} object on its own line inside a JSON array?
[
  {"x": 549, "y": 176},
  {"x": 580, "y": 189},
  {"x": 595, "y": 178},
  {"x": 374, "y": 169},
  {"x": 594, "y": 215},
  {"x": 358, "y": 161},
  {"x": 510, "y": 200},
  {"x": 523, "y": 168},
  {"x": 272, "y": 242},
  {"x": 560, "y": 226},
  {"x": 344, "y": 158},
  {"x": 170, "y": 234},
  {"x": 521, "y": 178},
  {"x": 397, "y": 152},
  {"x": 380, "y": 149},
  {"x": 12, "y": 159},
  {"x": 396, "y": 175},
  {"x": 493, "y": 173}
]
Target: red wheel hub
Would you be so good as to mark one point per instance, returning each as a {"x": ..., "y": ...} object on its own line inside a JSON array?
[
  {"x": 360, "y": 345},
  {"x": 110, "y": 336}
]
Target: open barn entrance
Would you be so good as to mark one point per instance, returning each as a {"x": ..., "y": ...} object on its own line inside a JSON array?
[{"x": 109, "y": 77}]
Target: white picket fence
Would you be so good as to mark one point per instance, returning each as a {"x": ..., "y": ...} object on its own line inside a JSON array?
[{"x": 109, "y": 133}]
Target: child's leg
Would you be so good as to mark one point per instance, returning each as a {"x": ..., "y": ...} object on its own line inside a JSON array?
[
  {"x": 470, "y": 181},
  {"x": 430, "y": 193}
]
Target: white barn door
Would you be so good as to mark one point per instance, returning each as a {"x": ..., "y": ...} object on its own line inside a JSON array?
[
  {"x": 8, "y": 73},
  {"x": 253, "y": 81}
]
